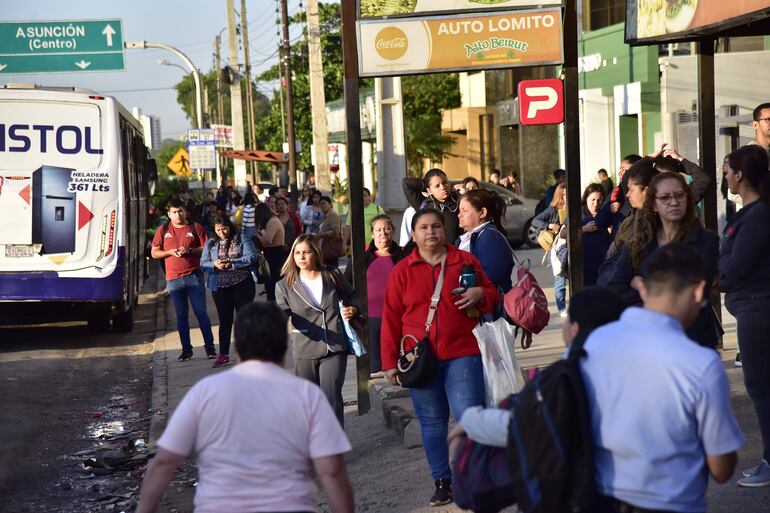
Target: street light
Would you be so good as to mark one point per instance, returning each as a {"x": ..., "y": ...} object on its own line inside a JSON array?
[
  {"x": 164, "y": 62},
  {"x": 142, "y": 45}
]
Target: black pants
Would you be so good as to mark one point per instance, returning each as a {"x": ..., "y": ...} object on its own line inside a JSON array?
[
  {"x": 753, "y": 327},
  {"x": 329, "y": 374},
  {"x": 275, "y": 256},
  {"x": 374, "y": 325},
  {"x": 229, "y": 300},
  {"x": 605, "y": 504}
]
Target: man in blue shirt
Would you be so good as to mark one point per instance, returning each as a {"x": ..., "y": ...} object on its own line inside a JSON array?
[{"x": 659, "y": 403}]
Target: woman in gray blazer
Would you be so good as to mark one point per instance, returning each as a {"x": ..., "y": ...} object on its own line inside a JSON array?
[{"x": 311, "y": 297}]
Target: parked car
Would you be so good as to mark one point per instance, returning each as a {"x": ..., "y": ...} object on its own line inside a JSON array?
[{"x": 518, "y": 215}]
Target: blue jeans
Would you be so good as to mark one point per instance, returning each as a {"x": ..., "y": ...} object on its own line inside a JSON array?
[
  {"x": 560, "y": 290},
  {"x": 191, "y": 287},
  {"x": 459, "y": 384}
]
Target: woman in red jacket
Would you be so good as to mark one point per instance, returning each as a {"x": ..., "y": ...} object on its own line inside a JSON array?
[{"x": 459, "y": 381}]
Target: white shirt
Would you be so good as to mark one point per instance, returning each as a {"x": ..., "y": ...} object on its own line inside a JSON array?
[
  {"x": 254, "y": 431},
  {"x": 314, "y": 287},
  {"x": 465, "y": 238},
  {"x": 659, "y": 404},
  {"x": 406, "y": 226}
]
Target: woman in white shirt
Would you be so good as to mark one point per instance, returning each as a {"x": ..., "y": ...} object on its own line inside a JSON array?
[{"x": 311, "y": 297}]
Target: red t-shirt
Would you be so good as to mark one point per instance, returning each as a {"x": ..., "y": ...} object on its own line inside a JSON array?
[{"x": 176, "y": 267}]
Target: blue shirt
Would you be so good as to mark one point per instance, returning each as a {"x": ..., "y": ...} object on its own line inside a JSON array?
[{"x": 659, "y": 405}]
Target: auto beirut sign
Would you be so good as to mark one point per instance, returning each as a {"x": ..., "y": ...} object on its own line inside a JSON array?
[
  {"x": 61, "y": 46},
  {"x": 541, "y": 102},
  {"x": 460, "y": 42}
]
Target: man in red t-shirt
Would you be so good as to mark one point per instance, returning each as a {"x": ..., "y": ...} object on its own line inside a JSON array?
[{"x": 179, "y": 244}]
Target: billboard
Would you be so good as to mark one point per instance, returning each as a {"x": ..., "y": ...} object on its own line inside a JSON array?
[
  {"x": 460, "y": 42},
  {"x": 657, "y": 21},
  {"x": 380, "y": 9}
]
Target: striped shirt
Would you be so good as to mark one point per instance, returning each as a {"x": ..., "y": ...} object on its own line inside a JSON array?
[{"x": 247, "y": 219}]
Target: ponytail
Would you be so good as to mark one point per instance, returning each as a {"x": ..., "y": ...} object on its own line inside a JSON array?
[{"x": 752, "y": 162}]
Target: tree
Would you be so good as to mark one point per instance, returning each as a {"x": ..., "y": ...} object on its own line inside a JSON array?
[{"x": 425, "y": 96}]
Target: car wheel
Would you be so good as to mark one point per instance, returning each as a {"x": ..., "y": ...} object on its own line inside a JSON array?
[{"x": 530, "y": 235}]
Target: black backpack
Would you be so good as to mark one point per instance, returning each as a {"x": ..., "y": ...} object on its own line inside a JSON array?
[{"x": 548, "y": 465}]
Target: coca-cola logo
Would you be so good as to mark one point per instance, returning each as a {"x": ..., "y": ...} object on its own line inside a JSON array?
[{"x": 391, "y": 43}]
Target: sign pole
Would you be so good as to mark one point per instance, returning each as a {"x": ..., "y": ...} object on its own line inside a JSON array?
[
  {"x": 356, "y": 183},
  {"x": 572, "y": 146}
]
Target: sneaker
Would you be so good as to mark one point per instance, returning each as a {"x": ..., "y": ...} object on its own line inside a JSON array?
[
  {"x": 222, "y": 360},
  {"x": 761, "y": 477},
  {"x": 211, "y": 354},
  {"x": 563, "y": 314},
  {"x": 186, "y": 355},
  {"x": 752, "y": 470},
  {"x": 738, "y": 363},
  {"x": 443, "y": 493}
]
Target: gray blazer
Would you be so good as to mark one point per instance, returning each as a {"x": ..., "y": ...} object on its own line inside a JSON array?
[{"x": 315, "y": 331}]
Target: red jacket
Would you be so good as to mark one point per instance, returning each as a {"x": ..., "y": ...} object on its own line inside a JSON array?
[{"x": 407, "y": 297}]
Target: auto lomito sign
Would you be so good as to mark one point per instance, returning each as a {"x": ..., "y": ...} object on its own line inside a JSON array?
[{"x": 61, "y": 46}]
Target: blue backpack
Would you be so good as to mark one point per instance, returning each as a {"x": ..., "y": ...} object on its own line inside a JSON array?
[{"x": 548, "y": 464}]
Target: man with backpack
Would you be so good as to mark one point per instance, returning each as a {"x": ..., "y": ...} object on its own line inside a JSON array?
[
  {"x": 658, "y": 407},
  {"x": 179, "y": 243}
]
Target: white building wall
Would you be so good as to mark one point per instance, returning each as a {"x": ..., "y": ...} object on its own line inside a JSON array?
[{"x": 597, "y": 135}]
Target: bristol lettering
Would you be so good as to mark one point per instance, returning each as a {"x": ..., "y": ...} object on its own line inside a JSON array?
[{"x": 68, "y": 139}]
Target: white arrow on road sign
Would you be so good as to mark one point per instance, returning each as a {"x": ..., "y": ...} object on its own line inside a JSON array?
[
  {"x": 82, "y": 64},
  {"x": 109, "y": 32},
  {"x": 3, "y": 66}
]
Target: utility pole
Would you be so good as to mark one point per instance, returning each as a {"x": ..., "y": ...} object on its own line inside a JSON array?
[
  {"x": 356, "y": 183},
  {"x": 250, "y": 93},
  {"x": 218, "y": 68},
  {"x": 236, "y": 100},
  {"x": 289, "y": 100},
  {"x": 318, "y": 98}
]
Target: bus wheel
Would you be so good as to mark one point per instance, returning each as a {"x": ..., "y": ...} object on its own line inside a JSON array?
[
  {"x": 124, "y": 321},
  {"x": 99, "y": 320}
]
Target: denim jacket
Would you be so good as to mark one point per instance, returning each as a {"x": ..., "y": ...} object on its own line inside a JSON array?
[{"x": 210, "y": 255}]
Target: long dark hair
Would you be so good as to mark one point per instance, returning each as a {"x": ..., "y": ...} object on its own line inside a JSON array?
[
  {"x": 751, "y": 161},
  {"x": 480, "y": 198},
  {"x": 234, "y": 233},
  {"x": 262, "y": 215}
]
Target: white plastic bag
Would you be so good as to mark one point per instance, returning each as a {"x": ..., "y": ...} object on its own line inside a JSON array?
[{"x": 502, "y": 374}]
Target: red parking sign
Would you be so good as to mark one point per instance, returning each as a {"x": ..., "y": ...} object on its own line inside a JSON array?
[{"x": 541, "y": 102}]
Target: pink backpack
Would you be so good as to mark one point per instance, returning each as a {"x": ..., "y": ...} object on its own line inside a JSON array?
[{"x": 526, "y": 303}]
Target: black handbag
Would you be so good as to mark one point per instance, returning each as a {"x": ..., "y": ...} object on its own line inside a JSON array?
[{"x": 417, "y": 367}]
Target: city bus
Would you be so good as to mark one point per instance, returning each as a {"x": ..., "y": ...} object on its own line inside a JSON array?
[{"x": 75, "y": 177}]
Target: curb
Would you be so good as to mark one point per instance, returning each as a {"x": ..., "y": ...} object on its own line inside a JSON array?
[
  {"x": 393, "y": 405},
  {"x": 159, "y": 367}
]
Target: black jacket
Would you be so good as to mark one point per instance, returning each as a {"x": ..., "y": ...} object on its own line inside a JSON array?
[
  {"x": 744, "y": 261},
  {"x": 617, "y": 274},
  {"x": 413, "y": 189}
]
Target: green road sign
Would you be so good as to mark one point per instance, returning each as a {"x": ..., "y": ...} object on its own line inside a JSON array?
[{"x": 61, "y": 46}]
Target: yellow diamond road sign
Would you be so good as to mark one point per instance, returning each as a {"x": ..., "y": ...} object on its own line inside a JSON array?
[{"x": 180, "y": 163}]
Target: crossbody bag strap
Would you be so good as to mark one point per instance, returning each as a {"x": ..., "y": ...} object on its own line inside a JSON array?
[{"x": 436, "y": 296}]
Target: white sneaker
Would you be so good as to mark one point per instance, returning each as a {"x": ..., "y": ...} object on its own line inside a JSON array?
[
  {"x": 563, "y": 314},
  {"x": 761, "y": 477}
]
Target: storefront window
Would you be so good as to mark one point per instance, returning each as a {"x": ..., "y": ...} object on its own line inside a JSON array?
[{"x": 603, "y": 13}]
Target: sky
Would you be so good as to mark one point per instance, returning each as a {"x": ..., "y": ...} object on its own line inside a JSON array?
[{"x": 188, "y": 25}]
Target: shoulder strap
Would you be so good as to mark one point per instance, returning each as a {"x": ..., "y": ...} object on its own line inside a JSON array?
[
  {"x": 194, "y": 232},
  {"x": 436, "y": 296}
]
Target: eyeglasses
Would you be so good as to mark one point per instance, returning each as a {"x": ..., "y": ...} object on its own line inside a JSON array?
[{"x": 666, "y": 198}]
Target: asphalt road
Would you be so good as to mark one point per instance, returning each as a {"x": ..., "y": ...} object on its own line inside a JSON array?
[{"x": 64, "y": 393}]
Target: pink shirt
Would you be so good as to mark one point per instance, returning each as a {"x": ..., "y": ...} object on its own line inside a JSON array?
[
  {"x": 376, "y": 278},
  {"x": 254, "y": 431}
]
